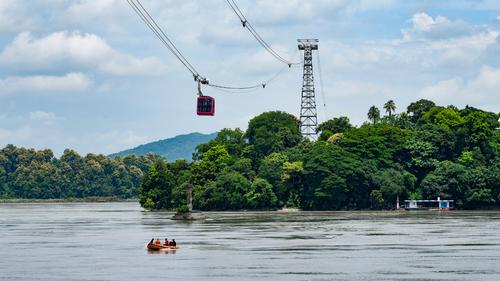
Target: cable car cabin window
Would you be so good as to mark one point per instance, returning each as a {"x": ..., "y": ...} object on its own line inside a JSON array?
[{"x": 206, "y": 106}]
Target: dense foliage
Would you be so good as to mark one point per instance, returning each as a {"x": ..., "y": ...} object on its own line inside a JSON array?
[
  {"x": 26, "y": 173},
  {"x": 426, "y": 152}
]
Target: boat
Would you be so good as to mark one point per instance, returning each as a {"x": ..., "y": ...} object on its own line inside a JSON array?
[
  {"x": 155, "y": 246},
  {"x": 429, "y": 205}
]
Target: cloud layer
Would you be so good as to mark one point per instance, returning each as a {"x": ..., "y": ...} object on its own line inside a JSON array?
[
  {"x": 60, "y": 49},
  {"x": 39, "y": 84},
  {"x": 89, "y": 75}
]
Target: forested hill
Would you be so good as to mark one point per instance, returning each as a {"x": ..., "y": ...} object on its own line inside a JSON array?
[{"x": 179, "y": 147}]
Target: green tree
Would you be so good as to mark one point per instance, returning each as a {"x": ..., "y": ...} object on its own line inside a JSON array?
[
  {"x": 233, "y": 142},
  {"x": 293, "y": 179},
  {"x": 377, "y": 199},
  {"x": 390, "y": 107},
  {"x": 331, "y": 174},
  {"x": 449, "y": 180},
  {"x": 335, "y": 125},
  {"x": 373, "y": 114},
  {"x": 271, "y": 170},
  {"x": 227, "y": 192},
  {"x": 261, "y": 194},
  {"x": 273, "y": 131},
  {"x": 156, "y": 188},
  {"x": 380, "y": 143},
  {"x": 419, "y": 108}
]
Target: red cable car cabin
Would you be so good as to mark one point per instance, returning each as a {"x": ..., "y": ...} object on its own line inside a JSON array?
[{"x": 206, "y": 106}]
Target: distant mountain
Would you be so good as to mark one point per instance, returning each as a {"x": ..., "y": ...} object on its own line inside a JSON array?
[{"x": 179, "y": 147}]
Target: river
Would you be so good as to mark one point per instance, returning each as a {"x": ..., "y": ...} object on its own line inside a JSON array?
[{"x": 107, "y": 241}]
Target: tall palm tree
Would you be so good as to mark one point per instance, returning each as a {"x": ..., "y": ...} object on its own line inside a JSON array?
[
  {"x": 373, "y": 114},
  {"x": 390, "y": 107}
]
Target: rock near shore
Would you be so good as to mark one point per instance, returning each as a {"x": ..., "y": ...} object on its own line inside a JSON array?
[{"x": 189, "y": 216}]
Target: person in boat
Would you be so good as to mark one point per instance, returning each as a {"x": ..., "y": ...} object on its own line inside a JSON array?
[
  {"x": 166, "y": 242},
  {"x": 173, "y": 243},
  {"x": 152, "y": 240},
  {"x": 158, "y": 241}
]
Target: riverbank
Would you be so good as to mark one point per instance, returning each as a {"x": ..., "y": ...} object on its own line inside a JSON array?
[{"x": 71, "y": 200}]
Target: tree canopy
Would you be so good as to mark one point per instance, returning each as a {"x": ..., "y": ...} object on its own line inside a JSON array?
[{"x": 426, "y": 152}]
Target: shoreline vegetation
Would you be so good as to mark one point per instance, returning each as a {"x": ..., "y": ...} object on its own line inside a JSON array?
[{"x": 429, "y": 151}]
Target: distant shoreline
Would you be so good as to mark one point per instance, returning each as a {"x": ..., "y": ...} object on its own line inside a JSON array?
[{"x": 71, "y": 200}]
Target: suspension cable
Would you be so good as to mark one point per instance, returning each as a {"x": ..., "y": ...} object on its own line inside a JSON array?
[
  {"x": 321, "y": 83},
  {"x": 263, "y": 85},
  {"x": 250, "y": 28},
  {"x": 170, "y": 46},
  {"x": 150, "y": 22}
]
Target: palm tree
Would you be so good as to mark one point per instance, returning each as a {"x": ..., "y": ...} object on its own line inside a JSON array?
[
  {"x": 373, "y": 114},
  {"x": 390, "y": 106}
]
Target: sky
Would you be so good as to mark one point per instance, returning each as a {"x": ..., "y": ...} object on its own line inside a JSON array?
[{"x": 89, "y": 75}]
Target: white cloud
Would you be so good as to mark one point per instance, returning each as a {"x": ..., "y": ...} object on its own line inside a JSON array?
[
  {"x": 442, "y": 91},
  {"x": 456, "y": 57},
  {"x": 486, "y": 85},
  {"x": 479, "y": 41},
  {"x": 226, "y": 35},
  {"x": 483, "y": 89},
  {"x": 347, "y": 89},
  {"x": 13, "y": 18},
  {"x": 295, "y": 11},
  {"x": 442, "y": 33},
  {"x": 70, "y": 48},
  {"x": 376, "y": 4},
  {"x": 284, "y": 10},
  {"x": 42, "y": 115},
  {"x": 35, "y": 84},
  {"x": 13, "y": 136},
  {"x": 85, "y": 11},
  {"x": 115, "y": 139},
  {"x": 498, "y": 18}
]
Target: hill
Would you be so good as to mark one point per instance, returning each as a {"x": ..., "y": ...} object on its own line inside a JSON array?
[{"x": 179, "y": 147}]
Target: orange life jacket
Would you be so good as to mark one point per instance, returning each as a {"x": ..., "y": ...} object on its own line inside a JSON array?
[
  {"x": 167, "y": 243},
  {"x": 158, "y": 242}
]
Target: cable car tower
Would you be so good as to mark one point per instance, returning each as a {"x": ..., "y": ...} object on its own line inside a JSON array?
[{"x": 308, "y": 116}]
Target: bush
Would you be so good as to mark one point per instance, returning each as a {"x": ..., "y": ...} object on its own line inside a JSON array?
[{"x": 184, "y": 209}]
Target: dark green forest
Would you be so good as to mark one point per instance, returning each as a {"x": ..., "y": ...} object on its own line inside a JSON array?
[
  {"x": 425, "y": 152},
  {"x": 26, "y": 173}
]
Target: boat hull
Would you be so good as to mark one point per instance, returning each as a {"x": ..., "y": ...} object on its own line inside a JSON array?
[
  {"x": 428, "y": 209},
  {"x": 161, "y": 247}
]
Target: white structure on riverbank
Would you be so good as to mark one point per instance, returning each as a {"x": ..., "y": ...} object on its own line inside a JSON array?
[{"x": 429, "y": 204}]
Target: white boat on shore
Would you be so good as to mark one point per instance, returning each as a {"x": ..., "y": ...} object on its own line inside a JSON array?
[{"x": 429, "y": 205}]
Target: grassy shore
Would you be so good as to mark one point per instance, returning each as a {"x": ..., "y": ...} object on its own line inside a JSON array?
[{"x": 71, "y": 200}]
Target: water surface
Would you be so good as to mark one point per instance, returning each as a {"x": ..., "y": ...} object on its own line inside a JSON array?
[{"x": 106, "y": 241}]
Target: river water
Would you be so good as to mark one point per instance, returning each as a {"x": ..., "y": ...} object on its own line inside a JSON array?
[{"x": 107, "y": 241}]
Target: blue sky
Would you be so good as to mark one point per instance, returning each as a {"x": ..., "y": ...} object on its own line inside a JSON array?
[{"x": 90, "y": 76}]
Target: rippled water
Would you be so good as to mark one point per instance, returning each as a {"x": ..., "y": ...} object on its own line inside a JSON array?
[{"x": 106, "y": 241}]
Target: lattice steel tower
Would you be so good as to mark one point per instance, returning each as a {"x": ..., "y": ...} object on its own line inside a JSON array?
[{"x": 308, "y": 116}]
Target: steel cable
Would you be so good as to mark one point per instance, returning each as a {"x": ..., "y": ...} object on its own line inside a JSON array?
[
  {"x": 142, "y": 12},
  {"x": 256, "y": 35},
  {"x": 321, "y": 83}
]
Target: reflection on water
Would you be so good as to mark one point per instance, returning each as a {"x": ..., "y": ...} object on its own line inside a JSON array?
[
  {"x": 162, "y": 252},
  {"x": 106, "y": 241}
]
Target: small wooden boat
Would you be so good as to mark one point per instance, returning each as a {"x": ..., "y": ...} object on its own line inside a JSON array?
[{"x": 155, "y": 246}]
